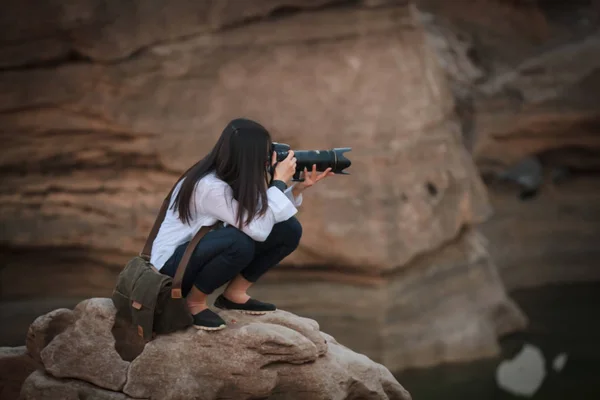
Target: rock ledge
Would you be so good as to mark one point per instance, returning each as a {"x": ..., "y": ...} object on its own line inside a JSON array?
[{"x": 86, "y": 352}]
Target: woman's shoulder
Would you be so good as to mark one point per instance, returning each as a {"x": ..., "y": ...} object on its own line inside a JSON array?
[
  {"x": 211, "y": 181},
  {"x": 212, "y": 189}
]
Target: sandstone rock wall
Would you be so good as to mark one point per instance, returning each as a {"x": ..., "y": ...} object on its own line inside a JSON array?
[
  {"x": 551, "y": 239},
  {"x": 94, "y": 146},
  {"x": 98, "y": 125},
  {"x": 526, "y": 76}
]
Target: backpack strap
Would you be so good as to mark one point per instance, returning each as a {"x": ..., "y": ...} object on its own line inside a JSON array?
[
  {"x": 178, "y": 278},
  {"x": 147, "y": 250}
]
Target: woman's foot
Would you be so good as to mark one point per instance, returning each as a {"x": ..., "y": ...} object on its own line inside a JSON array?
[
  {"x": 208, "y": 320},
  {"x": 251, "y": 306}
]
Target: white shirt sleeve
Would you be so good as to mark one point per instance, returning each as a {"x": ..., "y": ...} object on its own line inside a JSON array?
[
  {"x": 297, "y": 201},
  {"x": 218, "y": 201}
]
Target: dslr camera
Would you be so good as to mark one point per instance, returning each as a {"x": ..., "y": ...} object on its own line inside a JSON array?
[{"x": 323, "y": 159}]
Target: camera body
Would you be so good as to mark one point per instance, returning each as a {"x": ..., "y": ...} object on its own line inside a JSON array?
[{"x": 323, "y": 159}]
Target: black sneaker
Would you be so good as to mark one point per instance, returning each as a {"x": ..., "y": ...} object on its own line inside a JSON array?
[
  {"x": 208, "y": 320},
  {"x": 252, "y": 306}
]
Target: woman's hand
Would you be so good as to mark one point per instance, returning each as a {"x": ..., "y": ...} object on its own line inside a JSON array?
[
  {"x": 285, "y": 170},
  {"x": 310, "y": 178}
]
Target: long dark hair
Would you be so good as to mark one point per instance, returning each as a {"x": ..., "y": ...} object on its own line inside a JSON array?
[{"x": 239, "y": 158}]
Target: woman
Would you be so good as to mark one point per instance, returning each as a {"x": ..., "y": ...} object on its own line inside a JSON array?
[{"x": 231, "y": 184}]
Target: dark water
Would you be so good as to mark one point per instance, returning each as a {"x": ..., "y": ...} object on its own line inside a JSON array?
[{"x": 561, "y": 345}]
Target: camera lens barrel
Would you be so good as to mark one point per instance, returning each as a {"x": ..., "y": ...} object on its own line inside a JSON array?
[{"x": 323, "y": 159}]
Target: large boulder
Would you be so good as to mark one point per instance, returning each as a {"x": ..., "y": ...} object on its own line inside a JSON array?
[{"x": 276, "y": 356}]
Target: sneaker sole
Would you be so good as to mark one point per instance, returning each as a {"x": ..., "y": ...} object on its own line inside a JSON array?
[
  {"x": 254, "y": 312},
  {"x": 208, "y": 328},
  {"x": 247, "y": 311}
]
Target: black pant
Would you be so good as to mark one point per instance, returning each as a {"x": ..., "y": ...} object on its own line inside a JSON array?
[{"x": 226, "y": 252}]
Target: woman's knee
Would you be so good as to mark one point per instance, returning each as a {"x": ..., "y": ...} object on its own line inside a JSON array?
[
  {"x": 291, "y": 232},
  {"x": 241, "y": 249}
]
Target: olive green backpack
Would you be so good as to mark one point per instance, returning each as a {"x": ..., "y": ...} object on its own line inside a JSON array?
[{"x": 152, "y": 302}]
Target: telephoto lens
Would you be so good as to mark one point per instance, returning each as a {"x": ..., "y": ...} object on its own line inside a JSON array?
[{"x": 323, "y": 159}]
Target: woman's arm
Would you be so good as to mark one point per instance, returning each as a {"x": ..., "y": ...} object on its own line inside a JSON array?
[
  {"x": 218, "y": 201},
  {"x": 294, "y": 195}
]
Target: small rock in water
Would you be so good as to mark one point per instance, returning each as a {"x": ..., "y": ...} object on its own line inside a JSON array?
[
  {"x": 559, "y": 362},
  {"x": 524, "y": 374}
]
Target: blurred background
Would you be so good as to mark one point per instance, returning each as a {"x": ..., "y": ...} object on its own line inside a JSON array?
[{"x": 462, "y": 252}]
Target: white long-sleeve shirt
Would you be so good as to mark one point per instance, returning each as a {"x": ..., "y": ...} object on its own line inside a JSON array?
[{"x": 213, "y": 201}]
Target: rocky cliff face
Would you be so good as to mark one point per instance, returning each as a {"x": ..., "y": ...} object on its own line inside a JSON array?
[
  {"x": 526, "y": 76},
  {"x": 100, "y": 118},
  {"x": 96, "y": 144}
]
